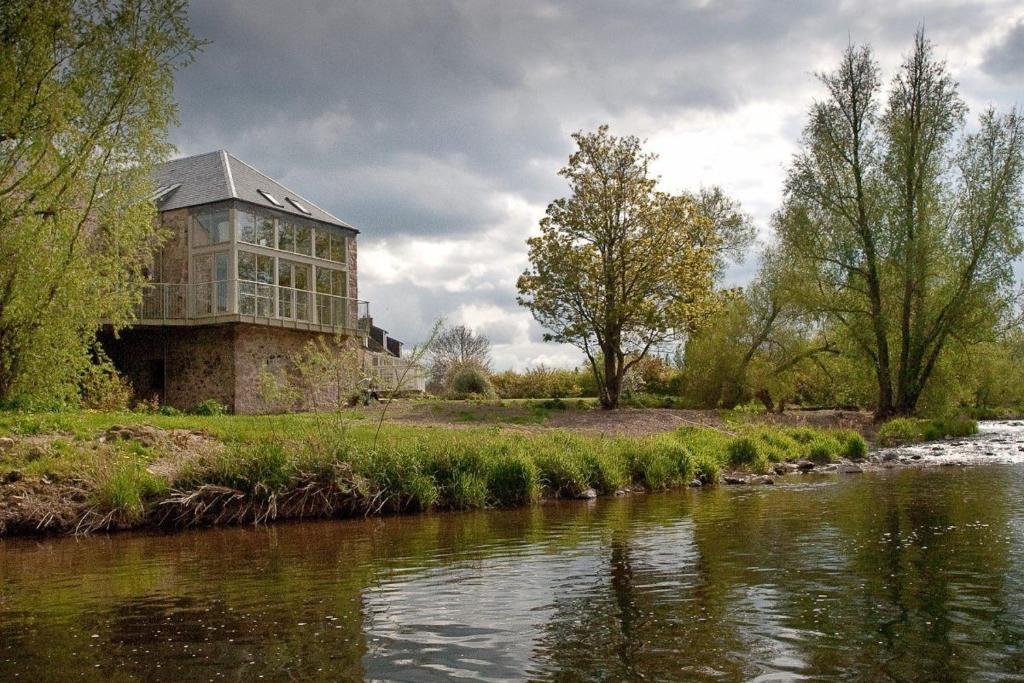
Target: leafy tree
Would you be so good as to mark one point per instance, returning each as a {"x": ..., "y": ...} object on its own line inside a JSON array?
[
  {"x": 456, "y": 348},
  {"x": 903, "y": 226},
  {"x": 619, "y": 267},
  {"x": 85, "y": 103},
  {"x": 755, "y": 347}
]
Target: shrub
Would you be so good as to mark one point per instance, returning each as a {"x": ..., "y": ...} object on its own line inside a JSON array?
[
  {"x": 210, "y": 406},
  {"x": 101, "y": 387},
  {"x": 538, "y": 382},
  {"x": 899, "y": 430},
  {"x": 470, "y": 381}
]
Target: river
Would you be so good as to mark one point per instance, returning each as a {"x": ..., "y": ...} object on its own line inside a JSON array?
[{"x": 906, "y": 574}]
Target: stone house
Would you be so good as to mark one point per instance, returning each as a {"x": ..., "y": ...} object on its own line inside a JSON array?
[{"x": 250, "y": 271}]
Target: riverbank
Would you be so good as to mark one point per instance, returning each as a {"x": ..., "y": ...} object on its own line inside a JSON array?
[{"x": 84, "y": 472}]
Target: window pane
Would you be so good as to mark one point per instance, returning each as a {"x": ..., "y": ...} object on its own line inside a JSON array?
[
  {"x": 255, "y": 227},
  {"x": 301, "y": 276},
  {"x": 212, "y": 225},
  {"x": 323, "y": 280},
  {"x": 246, "y": 226},
  {"x": 222, "y": 266},
  {"x": 337, "y": 248},
  {"x": 202, "y": 268},
  {"x": 323, "y": 242},
  {"x": 246, "y": 266},
  {"x": 265, "y": 269},
  {"x": 286, "y": 236},
  {"x": 304, "y": 239}
]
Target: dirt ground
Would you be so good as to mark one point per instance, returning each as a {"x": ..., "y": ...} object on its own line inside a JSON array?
[{"x": 620, "y": 422}]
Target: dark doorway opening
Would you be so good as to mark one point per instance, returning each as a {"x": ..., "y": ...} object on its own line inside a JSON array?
[{"x": 156, "y": 376}]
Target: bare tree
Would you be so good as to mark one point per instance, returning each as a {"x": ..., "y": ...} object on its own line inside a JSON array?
[{"x": 456, "y": 347}]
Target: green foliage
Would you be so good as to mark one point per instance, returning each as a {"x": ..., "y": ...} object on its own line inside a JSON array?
[
  {"x": 513, "y": 479},
  {"x": 210, "y": 406},
  {"x": 856, "y": 447},
  {"x": 616, "y": 232},
  {"x": 904, "y": 430},
  {"x": 101, "y": 387},
  {"x": 901, "y": 223},
  {"x": 470, "y": 382},
  {"x": 86, "y": 100},
  {"x": 539, "y": 382},
  {"x": 821, "y": 452},
  {"x": 126, "y": 486},
  {"x": 742, "y": 452}
]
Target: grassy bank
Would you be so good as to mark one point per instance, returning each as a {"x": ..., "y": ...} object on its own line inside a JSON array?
[{"x": 89, "y": 471}]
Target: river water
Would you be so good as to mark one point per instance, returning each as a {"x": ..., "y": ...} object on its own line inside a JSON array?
[{"x": 907, "y": 574}]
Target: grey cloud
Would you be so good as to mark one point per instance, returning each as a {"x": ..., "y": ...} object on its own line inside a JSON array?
[
  {"x": 1006, "y": 58},
  {"x": 415, "y": 120}
]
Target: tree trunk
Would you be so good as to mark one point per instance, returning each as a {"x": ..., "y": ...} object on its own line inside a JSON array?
[{"x": 612, "y": 382}]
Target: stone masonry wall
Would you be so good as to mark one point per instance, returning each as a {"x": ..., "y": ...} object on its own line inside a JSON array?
[
  {"x": 197, "y": 362},
  {"x": 261, "y": 347}
]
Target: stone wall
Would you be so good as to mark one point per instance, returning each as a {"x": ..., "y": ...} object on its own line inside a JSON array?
[
  {"x": 263, "y": 347},
  {"x": 196, "y": 363}
]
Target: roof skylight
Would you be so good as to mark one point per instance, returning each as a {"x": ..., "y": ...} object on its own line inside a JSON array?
[
  {"x": 270, "y": 198},
  {"x": 162, "y": 191},
  {"x": 299, "y": 206}
]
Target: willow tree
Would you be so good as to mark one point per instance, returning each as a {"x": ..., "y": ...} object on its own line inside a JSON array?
[
  {"x": 904, "y": 224},
  {"x": 85, "y": 104},
  {"x": 620, "y": 268}
]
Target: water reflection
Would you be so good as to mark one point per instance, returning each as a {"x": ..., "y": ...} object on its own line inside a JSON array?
[{"x": 904, "y": 575}]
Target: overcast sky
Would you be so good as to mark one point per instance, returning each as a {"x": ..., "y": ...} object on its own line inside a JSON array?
[{"x": 437, "y": 128}]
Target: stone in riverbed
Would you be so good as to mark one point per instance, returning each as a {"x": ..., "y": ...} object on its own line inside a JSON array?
[
  {"x": 733, "y": 480},
  {"x": 587, "y": 494},
  {"x": 805, "y": 465},
  {"x": 696, "y": 483},
  {"x": 763, "y": 479},
  {"x": 851, "y": 468},
  {"x": 6, "y": 442}
]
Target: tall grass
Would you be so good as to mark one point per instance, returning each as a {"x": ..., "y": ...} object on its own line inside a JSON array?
[
  {"x": 307, "y": 466},
  {"x": 903, "y": 430}
]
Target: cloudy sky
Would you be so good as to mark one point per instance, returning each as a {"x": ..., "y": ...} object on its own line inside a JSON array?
[{"x": 438, "y": 128}]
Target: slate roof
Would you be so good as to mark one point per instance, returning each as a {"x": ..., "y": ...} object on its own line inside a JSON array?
[{"x": 216, "y": 176}]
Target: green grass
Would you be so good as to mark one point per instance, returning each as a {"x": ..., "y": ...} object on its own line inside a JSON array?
[
  {"x": 903, "y": 430},
  {"x": 271, "y": 460}
]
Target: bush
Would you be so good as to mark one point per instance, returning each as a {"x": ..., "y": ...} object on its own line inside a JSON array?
[
  {"x": 102, "y": 388},
  {"x": 539, "y": 382},
  {"x": 470, "y": 381},
  {"x": 210, "y": 406}
]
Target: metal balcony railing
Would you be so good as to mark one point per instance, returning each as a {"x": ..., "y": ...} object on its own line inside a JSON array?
[{"x": 249, "y": 302}]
